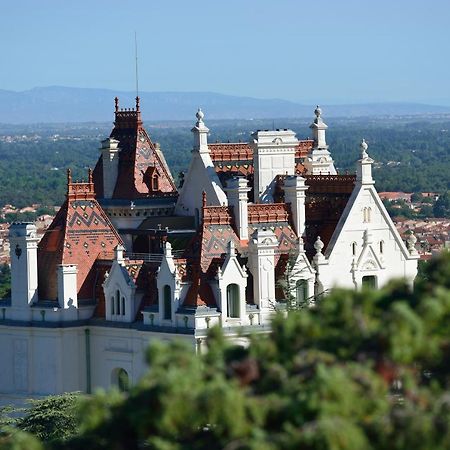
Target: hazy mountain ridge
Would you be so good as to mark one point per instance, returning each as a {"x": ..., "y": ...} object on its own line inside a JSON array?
[{"x": 65, "y": 104}]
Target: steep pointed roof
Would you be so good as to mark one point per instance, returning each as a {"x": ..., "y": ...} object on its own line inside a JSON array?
[
  {"x": 79, "y": 234},
  {"x": 139, "y": 160}
]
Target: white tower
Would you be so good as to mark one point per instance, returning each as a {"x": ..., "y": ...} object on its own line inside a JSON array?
[
  {"x": 320, "y": 160},
  {"x": 273, "y": 154},
  {"x": 24, "y": 272}
]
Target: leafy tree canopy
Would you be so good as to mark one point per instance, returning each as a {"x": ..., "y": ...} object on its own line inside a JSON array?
[{"x": 360, "y": 370}]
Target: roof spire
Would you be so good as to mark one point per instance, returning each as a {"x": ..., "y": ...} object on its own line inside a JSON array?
[{"x": 137, "y": 78}]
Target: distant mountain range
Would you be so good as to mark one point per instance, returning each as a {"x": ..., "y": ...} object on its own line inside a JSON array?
[{"x": 63, "y": 104}]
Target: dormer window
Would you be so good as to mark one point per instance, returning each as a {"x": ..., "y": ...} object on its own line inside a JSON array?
[{"x": 151, "y": 179}]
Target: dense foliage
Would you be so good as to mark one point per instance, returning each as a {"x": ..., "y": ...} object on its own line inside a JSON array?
[
  {"x": 411, "y": 155},
  {"x": 361, "y": 370}
]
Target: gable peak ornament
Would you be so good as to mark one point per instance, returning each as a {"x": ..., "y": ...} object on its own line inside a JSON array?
[
  {"x": 318, "y": 111},
  {"x": 364, "y": 146}
]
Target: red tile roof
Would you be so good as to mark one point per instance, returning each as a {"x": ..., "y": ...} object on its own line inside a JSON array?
[
  {"x": 79, "y": 233},
  {"x": 139, "y": 159}
]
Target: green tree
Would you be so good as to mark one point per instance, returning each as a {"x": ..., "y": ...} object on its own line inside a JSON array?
[
  {"x": 45, "y": 421},
  {"x": 361, "y": 370},
  {"x": 442, "y": 205}
]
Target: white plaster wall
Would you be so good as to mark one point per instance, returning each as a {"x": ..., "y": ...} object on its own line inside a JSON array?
[
  {"x": 201, "y": 177},
  {"x": 273, "y": 154},
  {"x": 41, "y": 361},
  {"x": 113, "y": 348},
  {"x": 395, "y": 262}
]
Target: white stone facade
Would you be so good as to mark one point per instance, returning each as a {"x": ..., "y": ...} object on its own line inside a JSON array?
[{"x": 51, "y": 347}]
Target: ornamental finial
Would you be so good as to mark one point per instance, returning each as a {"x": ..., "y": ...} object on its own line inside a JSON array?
[
  {"x": 318, "y": 245},
  {"x": 69, "y": 176},
  {"x": 318, "y": 111},
  {"x": 116, "y": 103},
  {"x": 411, "y": 242},
  {"x": 137, "y": 103},
  {"x": 363, "y": 146},
  {"x": 204, "y": 199},
  {"x": 90, "y": 175},
  {"x": 200, "y": 114}
]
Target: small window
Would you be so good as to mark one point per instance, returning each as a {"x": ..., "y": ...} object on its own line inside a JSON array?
[
  {"x": 123, "y": 306},
  {"x": 369, "y": 282},
  {"x": 155, "y": 183},
  {"x": 233, "y": 300},
  {"x": 367, "y": 214},
  {"x": 120, "y": 379},
  {"x": 167, "y": 303},
  {"x": 112, "y": 305},
  {"x": 381, "y": 247},
  {"x": 301, "y": 292},
  {"x": 117, "y": 302},
  {"x": 354, "y": 249}
]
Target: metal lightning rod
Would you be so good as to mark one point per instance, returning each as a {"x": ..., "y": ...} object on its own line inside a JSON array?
[{"x": 136, "y": 56}]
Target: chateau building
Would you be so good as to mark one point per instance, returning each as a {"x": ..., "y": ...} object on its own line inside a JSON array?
[{"x": 130, "y": 257}]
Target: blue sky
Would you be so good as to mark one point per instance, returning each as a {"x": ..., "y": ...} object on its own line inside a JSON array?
[{"x": 327, "y": 51}]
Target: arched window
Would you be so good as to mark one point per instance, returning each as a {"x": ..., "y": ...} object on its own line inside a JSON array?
[
  {"x": 381, "y": 247},
  {"x": 112, "y": 305},
  {"x": 369, "y": 282},
  {"x": 354, "y": 248},
  {"x": 167, "y": 303},
  {"x": 233, "y": 300},
  {"x": 117, "y": 302},
  {"x": 301, "y": 292},
  {"x": 123, "y": 306},
  {"x": 366, "y": 214},
  {"x": 120, "y": 379}
]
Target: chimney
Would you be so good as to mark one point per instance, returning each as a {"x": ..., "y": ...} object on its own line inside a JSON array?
[
  {"x": 67, "y": 287},
  {"x": 294, "y": 193},
  {"x": 237, "y": 192},
  {"x": 110, "y": 160}
]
